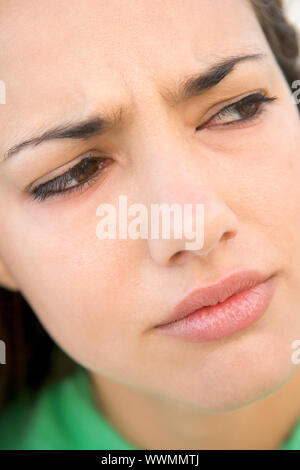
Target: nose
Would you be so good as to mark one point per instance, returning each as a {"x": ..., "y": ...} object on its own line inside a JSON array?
[
  {"x": 217, "y": 225},
  {"x": 218, "y": 222}
]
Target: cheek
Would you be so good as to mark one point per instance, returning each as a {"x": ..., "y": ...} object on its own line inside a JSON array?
[
  {"x": 280, "y": 191},
  {"x": 81, "y": 287},
  {"x": 266, "y": 195}
]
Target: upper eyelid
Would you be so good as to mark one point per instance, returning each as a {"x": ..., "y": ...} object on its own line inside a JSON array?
[
  {"x": 265, "y": 99},
  {"x": 232, "y": 101},
  {"x": 35, "y": 184},
  {"x": 92, "y": 153}
]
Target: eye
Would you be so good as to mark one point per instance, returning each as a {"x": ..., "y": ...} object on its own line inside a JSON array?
[
  {"x": 246, "y": 109},
  {"x": 85, "y": 173}
]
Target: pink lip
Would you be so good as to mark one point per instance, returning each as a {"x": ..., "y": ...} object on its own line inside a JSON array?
[{"x": 221, "y": 309}]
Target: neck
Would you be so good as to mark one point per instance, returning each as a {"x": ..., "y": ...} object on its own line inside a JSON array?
[{"x": 150, "y": 422}]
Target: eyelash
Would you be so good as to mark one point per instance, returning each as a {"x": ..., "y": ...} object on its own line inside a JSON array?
[
  {"x": 56, "y": 186},
  {"x": 256, "y": 98}
]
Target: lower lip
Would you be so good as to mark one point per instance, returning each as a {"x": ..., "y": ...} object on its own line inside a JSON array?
[{"x": 218, "y": 321}]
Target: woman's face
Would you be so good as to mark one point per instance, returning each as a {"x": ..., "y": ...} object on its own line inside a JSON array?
[{"x": 67, "y": 62}]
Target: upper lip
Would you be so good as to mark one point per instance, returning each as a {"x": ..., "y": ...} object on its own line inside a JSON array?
[{"x": 215, "y": 293}]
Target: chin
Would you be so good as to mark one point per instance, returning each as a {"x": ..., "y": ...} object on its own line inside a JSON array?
[
  {"x": 235, "y": 375},
  {"x": 239, "y": 395}
]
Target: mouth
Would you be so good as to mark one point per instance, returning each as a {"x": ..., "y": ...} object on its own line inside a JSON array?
[{"x": 222, "y": 308}]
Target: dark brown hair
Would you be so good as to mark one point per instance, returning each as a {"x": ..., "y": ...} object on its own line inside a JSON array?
[
  {"x": 32, "y": 358},
  {"x": 281, "y": 35}
]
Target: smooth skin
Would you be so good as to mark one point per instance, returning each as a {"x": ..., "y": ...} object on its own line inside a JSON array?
[{"x": 100, "y": 300}]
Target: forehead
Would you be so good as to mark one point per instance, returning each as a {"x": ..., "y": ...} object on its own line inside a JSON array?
[{"x": 60, "y": 56}]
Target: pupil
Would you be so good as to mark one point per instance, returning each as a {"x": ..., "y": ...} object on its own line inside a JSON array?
[
  {"x": 247, "y": 109},
  {"x": 85, "y": 170}
]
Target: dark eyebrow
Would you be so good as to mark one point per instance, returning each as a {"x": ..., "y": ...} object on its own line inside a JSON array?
[
  {"x": 187, "y": 88},
  {"x": 199, "y": 83},
  {"x": 81, "y": 130}
]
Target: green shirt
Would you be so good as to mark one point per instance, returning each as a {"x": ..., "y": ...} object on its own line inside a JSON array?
[{"x": 65, "y": 417}]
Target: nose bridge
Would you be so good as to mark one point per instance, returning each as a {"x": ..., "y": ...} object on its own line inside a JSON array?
[
  {"x": 178, "y": 173},
  {"x": 174, "y": 170},
  {"x": 165, "y": 152}
]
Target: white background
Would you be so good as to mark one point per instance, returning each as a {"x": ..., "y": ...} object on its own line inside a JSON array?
[{"x": 293, "y": 9}]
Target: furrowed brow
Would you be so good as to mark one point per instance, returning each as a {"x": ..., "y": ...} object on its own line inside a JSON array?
[
  {"x": 187, "y": 88},
  {"x": 81, "y": 130},
  {"x": 200, "y": 83}
]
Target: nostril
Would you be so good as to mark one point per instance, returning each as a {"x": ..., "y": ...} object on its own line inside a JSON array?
[
  {"x": 229, "y": 235},
  {"x": 179, "y": 257}
]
